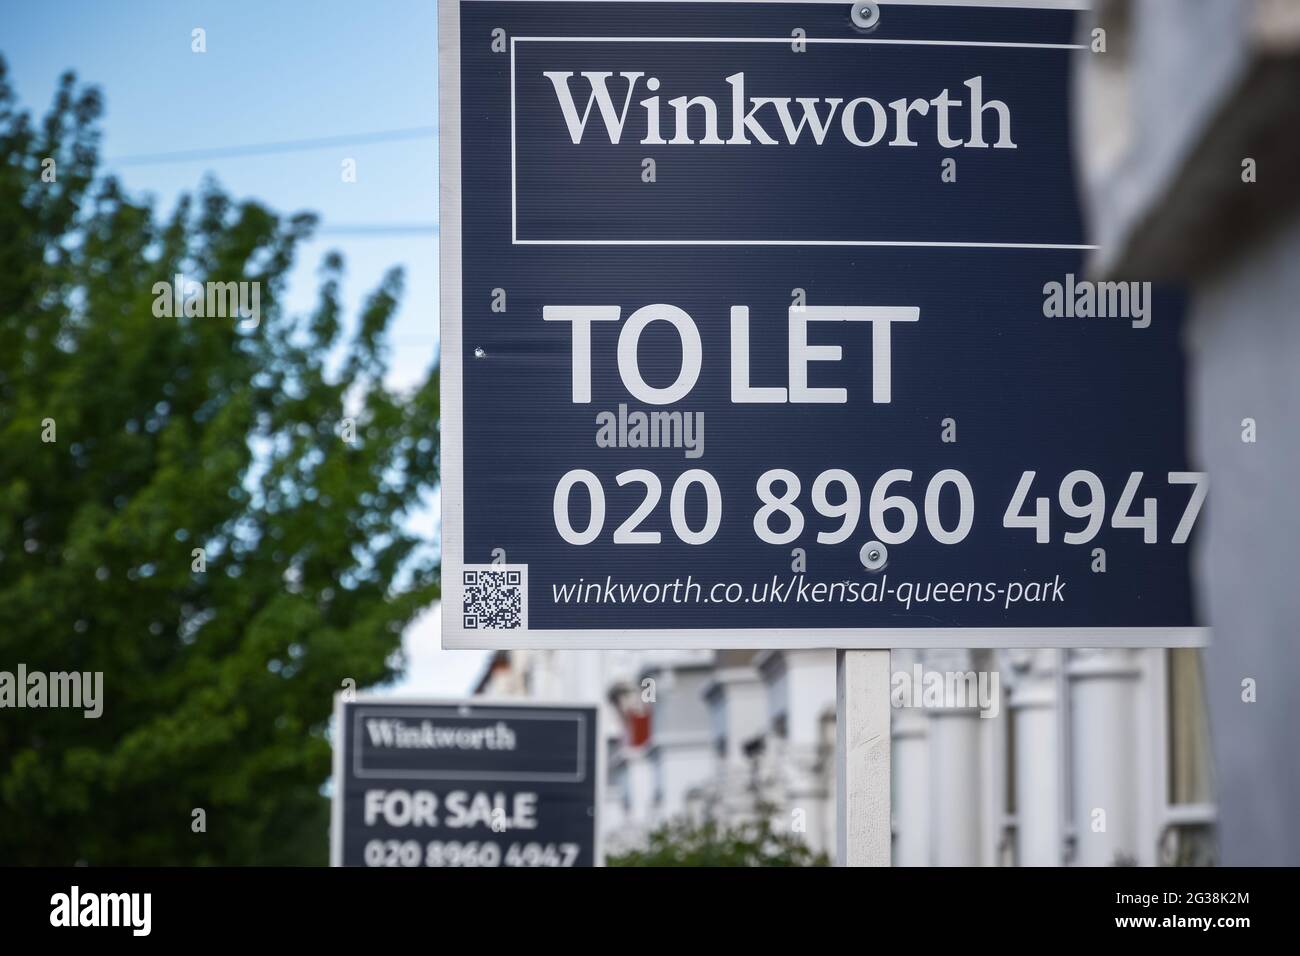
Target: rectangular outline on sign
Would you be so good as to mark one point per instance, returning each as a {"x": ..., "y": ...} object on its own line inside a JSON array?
[
  {"x": 514, "y": 223},
  {"x": 578, "y": 775},
  {"x": 339, "y": 755},
  {"x": 453, "y": 516}
]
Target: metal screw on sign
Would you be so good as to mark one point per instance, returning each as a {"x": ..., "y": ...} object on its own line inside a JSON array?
[
  {"x": 479, "y": 353},
  {"x": 865, "y": 15},
  {"x": 873, "y": 555}
]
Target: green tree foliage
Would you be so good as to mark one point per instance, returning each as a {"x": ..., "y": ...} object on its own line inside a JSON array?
[
  {"x": 174, "y": 434},
  {"x": 710, "y": 843}
]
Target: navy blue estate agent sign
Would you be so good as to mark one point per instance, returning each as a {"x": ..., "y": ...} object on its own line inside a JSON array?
[
  {"x": 466, "y": 783},
  {"x": 760, "y": 329}
]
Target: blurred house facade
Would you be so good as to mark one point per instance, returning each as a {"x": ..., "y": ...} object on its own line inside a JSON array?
[{"x": 1084, "y": 758}]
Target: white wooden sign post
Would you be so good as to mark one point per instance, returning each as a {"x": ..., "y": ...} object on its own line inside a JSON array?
[{"x": 862, "y": 745}]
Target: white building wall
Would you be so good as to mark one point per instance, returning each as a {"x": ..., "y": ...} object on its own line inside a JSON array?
[
  {"x": 1071, "y": 733},
  {"x": 1204, "y": 96},
  {"x": 1040, "y": 834},
  {"x": 1104, "y": 770}
]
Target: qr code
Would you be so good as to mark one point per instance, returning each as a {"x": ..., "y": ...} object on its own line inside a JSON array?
[{"x": 495, "y": 597}]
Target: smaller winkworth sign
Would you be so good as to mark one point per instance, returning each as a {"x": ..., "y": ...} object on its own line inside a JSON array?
[{"x": 464, "y": 783}]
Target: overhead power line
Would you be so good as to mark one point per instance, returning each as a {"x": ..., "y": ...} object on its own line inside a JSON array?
[
  {"x": 285, "y": 146},
  {"x": 380, "y": 229}
]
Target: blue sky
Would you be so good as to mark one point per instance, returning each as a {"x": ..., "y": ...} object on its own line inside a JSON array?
[{"x": 275, "y": 72}]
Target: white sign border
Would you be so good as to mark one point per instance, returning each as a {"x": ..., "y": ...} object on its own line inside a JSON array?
[
  {"x": 895, "y": 243},
  {"x": 484, "y": 711},
  {"x": 455, "y": 636}
]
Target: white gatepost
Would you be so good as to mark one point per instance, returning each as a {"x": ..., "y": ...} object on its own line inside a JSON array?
[{"x": 862, "y": 744}]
